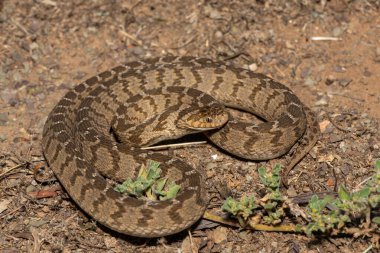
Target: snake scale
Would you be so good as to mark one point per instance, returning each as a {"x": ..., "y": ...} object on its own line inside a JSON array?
[{"x": 81, "y": 151}]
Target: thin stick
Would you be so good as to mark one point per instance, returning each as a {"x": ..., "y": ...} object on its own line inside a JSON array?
[
  {"x": 13, "y": 168},
  {"x": 125, "y": 34},
  {"x": 21, "y": 27},
  {"x": 186, "y": 43},
  {"x": 321, "y": 38},
  {"x": 347, "y": 96},
  {"x": 281, "y": 228},
  {"x": 191, "y": 241},
  {"x": 176, "y": 145},
  {"x": 216, "y": 218}
]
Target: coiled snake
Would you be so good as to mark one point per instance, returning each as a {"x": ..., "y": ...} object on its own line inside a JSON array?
[{"x": 164, "y": 96}]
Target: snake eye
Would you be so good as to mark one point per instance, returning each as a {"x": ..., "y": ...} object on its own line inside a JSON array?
[{"x": 208, "y": 119}]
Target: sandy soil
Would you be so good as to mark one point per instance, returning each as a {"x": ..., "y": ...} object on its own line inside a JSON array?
[{"x": 48, "y": 46}]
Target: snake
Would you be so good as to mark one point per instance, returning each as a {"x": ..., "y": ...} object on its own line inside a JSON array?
[{"x": 93, "y": 136}]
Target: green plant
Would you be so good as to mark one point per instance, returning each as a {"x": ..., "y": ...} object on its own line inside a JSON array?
[
  {"x": 149, "y": 184},
  {"x": 271, "y": 203},
  {"x": 241, "y": 209},
  {"x": 350, "y": 212},
  {"x": 329, "y": 215}
]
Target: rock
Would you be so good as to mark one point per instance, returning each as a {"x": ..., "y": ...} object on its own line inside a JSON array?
[
  {"x": 305, "y": 72},
  {"x": 339, "y": 69},
  {"x": 310, "y": 81},
  {"x": 13, "y": 102},
  {"x": 344, "y": 82},
  {"x": 4, "y": 204},
  {"x": 212, "y": 13},
  {"x": 336, "y": 138},
  {"x": 343, "y": 146},
  {"x": 218, "y": 235},
  {"x": 322, "y": 101},
  {"x": 367, "y": 73},
  {"x": 138, "y": 51},
  {"x": 37, "y": 222},
  {"x": 330, "y": 80},
  {"x": 337, "y": 31},
  {"x": 324, "y": 125},
  {"x": 218, "y": 34},
  {"x": 252, "y": 67}
]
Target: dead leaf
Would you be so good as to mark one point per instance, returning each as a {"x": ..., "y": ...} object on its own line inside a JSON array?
[
  {"x": 4, "y": 205},
  {"x": 52, "y": 192},
  {"x": 190, "y": 245},
  {"x": 218, "y": 235},
  {"x": 323, "y": 125}
]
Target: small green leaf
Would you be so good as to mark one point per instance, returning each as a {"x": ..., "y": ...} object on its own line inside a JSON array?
[
  {"x": 159, "y": 185},
  {"x": 377, "y": 165},
  {"x": 298, "y": 228},
  {"x": 276, "y": 196},
  {"x": 343, "y": 194},
  {"x": 270, "y": 205},
  {"x": 277, "y": 170},
  {"x": 262, "y": 174},
  {"x": 172, "y": 191},
  {"x": 362, "y": 194},
  {"x": 374, "y": 200},
  {"x": 230, "y": 205},
  {"x": 316, "y": 204},
  {"x": 242, "y": 208},
  {"x": 376, "y": 220}
]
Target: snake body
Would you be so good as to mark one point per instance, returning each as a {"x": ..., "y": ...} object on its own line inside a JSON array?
[{"x": 78, "y": 147}]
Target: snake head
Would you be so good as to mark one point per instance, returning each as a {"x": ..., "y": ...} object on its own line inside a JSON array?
[{"x": 204, "y": 118}]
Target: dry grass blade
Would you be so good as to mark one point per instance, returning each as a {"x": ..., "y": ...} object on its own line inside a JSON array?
[
  {"x": 13, "y": 168},
  {"x": 174, "y": 145}
]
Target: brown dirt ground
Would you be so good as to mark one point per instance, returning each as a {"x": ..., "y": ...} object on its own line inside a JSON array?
[{"x": 47, "y": 46}]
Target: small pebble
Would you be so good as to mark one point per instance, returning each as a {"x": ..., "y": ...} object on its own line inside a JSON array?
[
  {"x": 367, "y": 73},
  {"x": 218, "y": 34},
  {"x": 345, "y": 168},
  {"x": 330, "y": 80},
  {"x": 13, "y": 102},
  {"x": 310, "y": 81},
  {"x": 342, "y": 146},
  {"x": 339, "y": 69},
  {"x": 253, "y": 67},
  {"x": 138, "y": 51},
  {"x": 344, "y": 82},
  {"x": 30, "y": 188},
  {"x": 92, "y": 29},
  {"x": 305, "y": 72},
  {"x": 33, "y": 46},
  {"x": 337, "y": 31},
  {"x": 289, "y": 45},
  {"x": 37, "y": 222},
  {"x": 215, "y": 14},
  {"x": 321, "y": 102},
  {"x": 335, "y": 138},
  {"x": 211, "y": 166}
]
